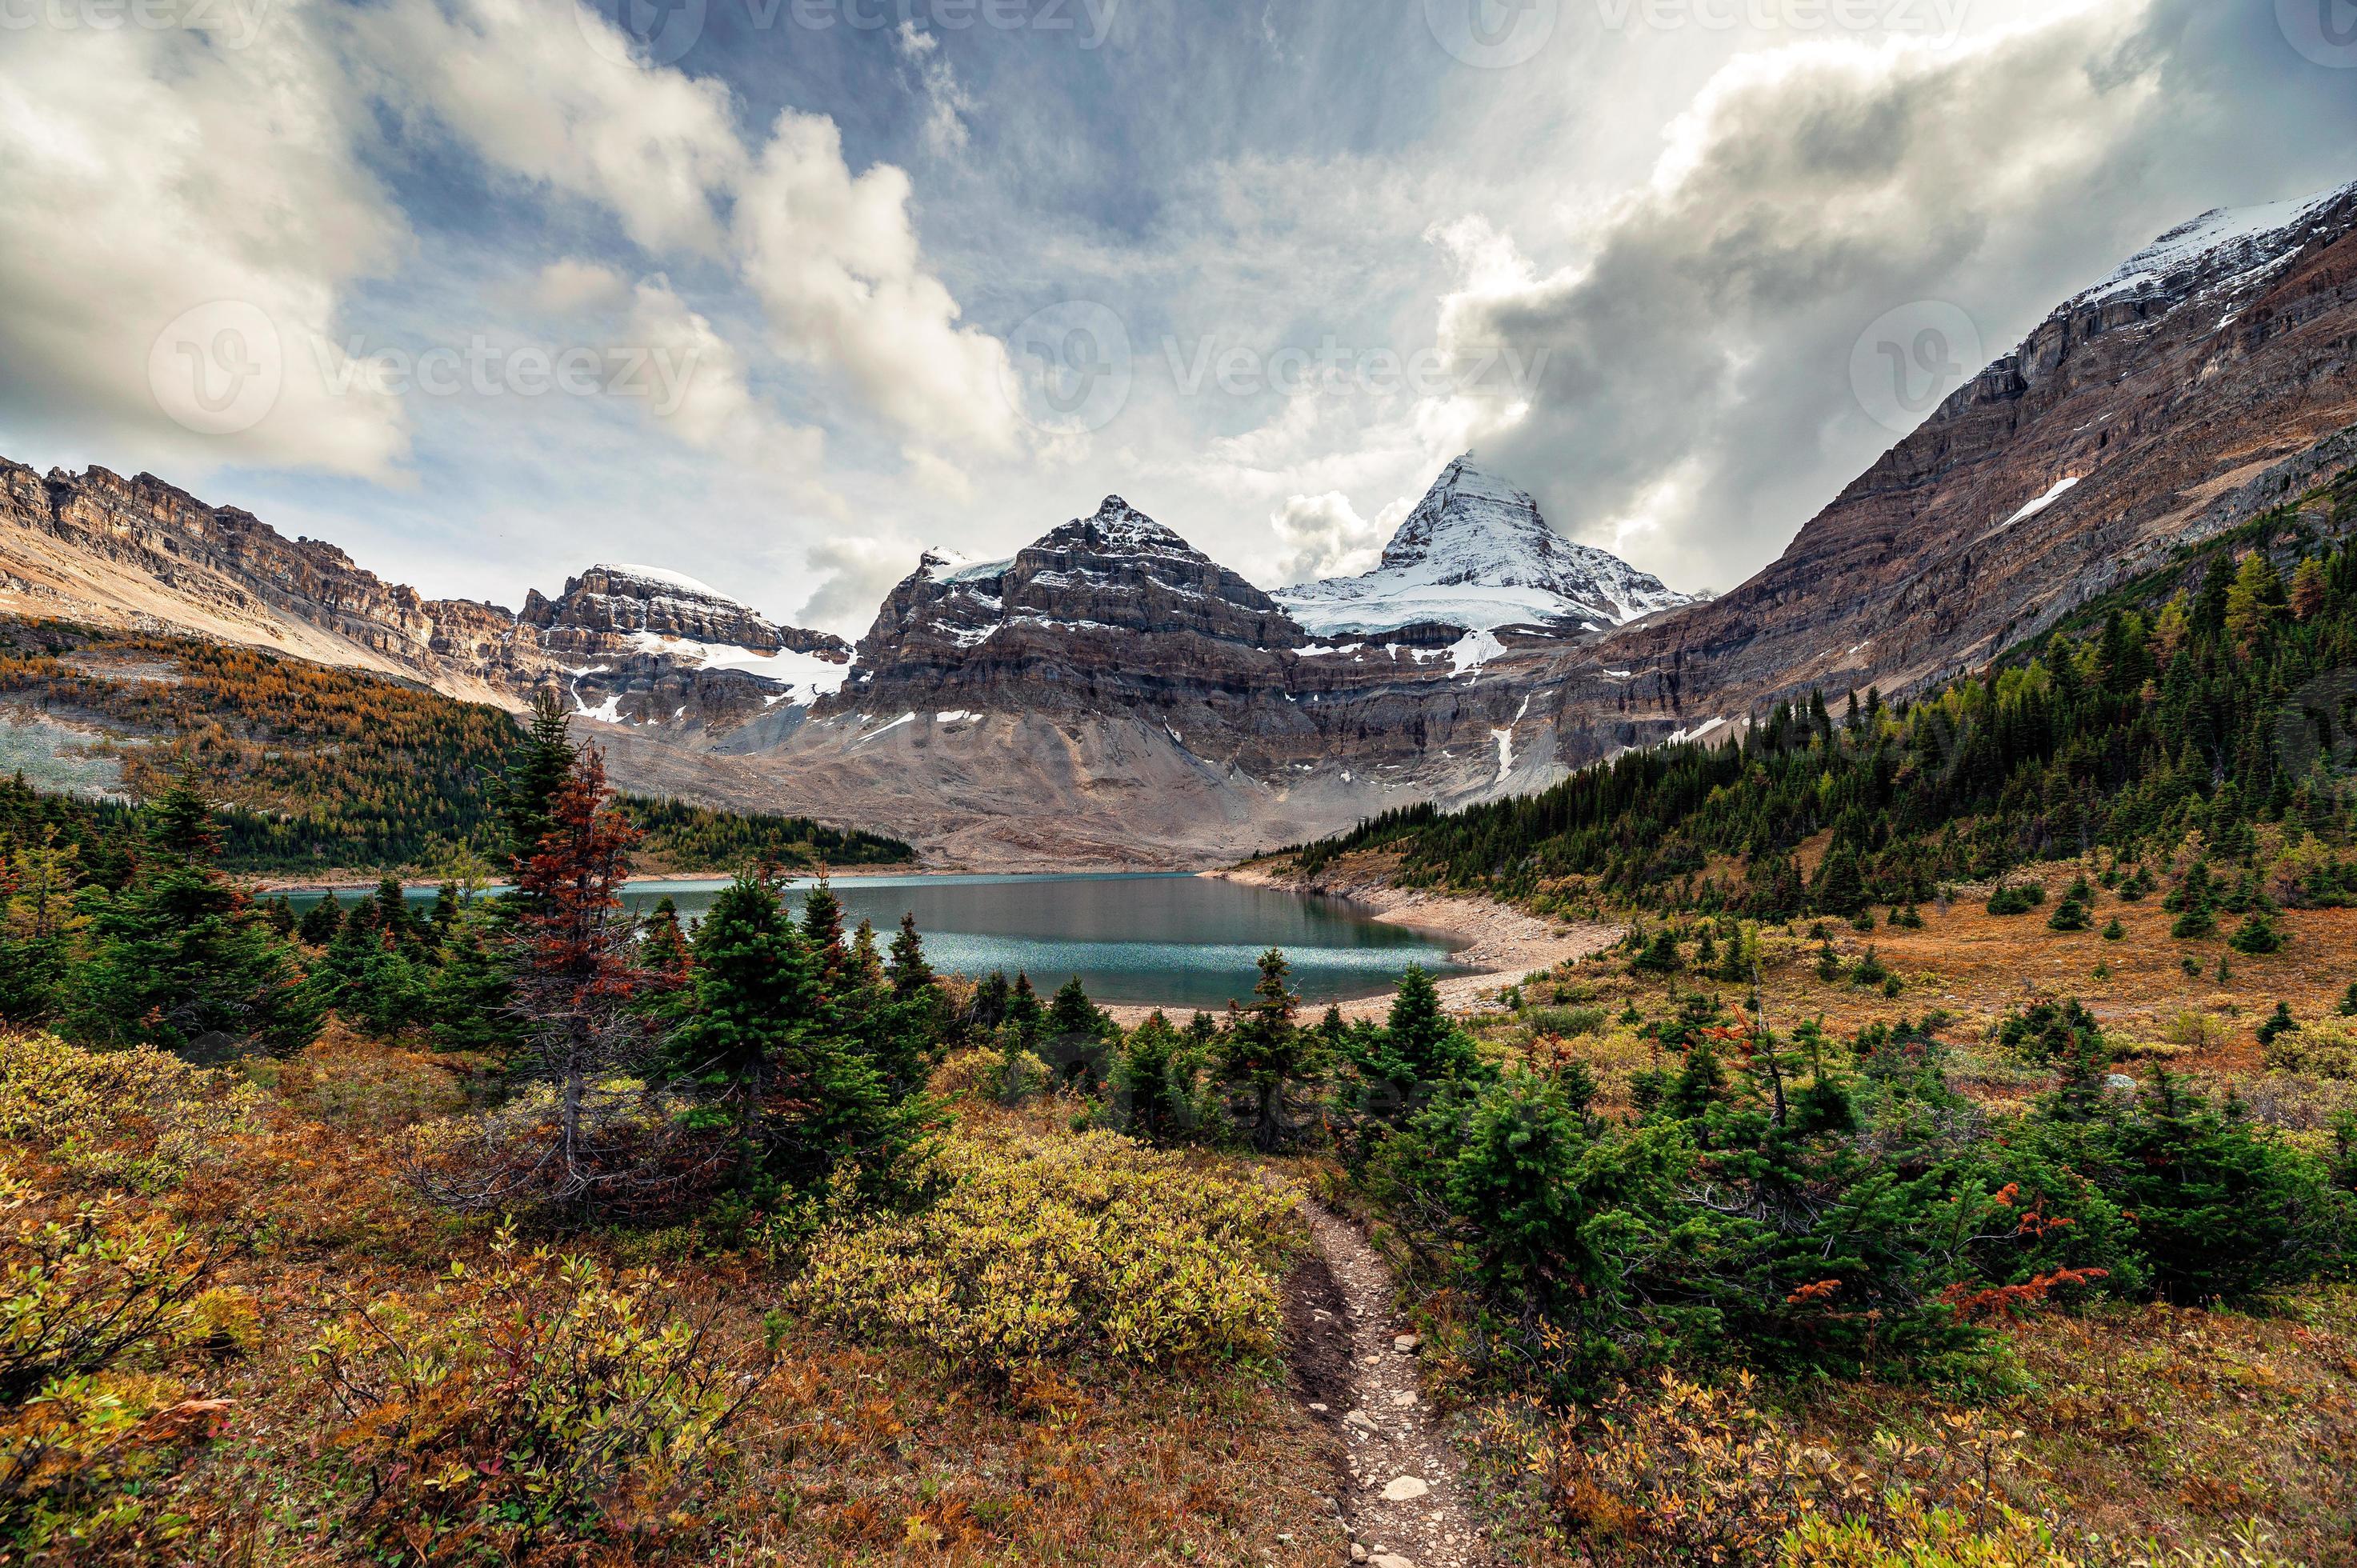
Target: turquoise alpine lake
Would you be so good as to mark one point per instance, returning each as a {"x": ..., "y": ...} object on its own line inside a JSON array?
[{"x": 1173, "y": 941}]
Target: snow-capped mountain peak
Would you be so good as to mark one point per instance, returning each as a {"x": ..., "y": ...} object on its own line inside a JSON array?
[
  {"x": 1477, "y": 554},
  {"x": 2225, "y": 247}
]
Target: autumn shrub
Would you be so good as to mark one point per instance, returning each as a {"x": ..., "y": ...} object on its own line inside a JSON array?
[
  {"x": 1037, "y": 1249},
  {"x": 140, "y": 1118},
  {"x": 1679, "y": 1472},
  {"x": 1907, "y": 1532},
  {"x": 2196, "y": 1031},
  {"x": 535, "y": 1400},
  {"x": 95, "y": 1298},
  {"x": 2323, "y": 1047}
]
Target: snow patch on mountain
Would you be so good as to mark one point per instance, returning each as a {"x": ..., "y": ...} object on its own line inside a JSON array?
[
  {"x": 1477, "y": 554},
  {"x": 807, "y": 677}
]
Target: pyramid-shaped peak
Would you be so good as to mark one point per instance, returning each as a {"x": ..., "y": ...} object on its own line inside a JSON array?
[
  {"x": 1476, "y": 552},
  {"x": 1475, "y": 521},
  {"x": 1117, "y": 527}
]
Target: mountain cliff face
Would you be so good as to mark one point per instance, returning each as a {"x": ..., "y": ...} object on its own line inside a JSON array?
[
  {"x": 2210, "y": 377},
  {"x": 1476, "y": 556},
  {"x": 601, "y": 610},
  {"x": 1112, "y": 612},
  {"x": 631, "y": 644}
]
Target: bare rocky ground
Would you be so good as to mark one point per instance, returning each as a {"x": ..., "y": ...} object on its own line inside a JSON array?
[{"x": 1400, "y": 1494}]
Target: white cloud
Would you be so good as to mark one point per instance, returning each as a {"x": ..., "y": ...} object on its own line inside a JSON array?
[
  {"x": 946, "y": 102},
  {"x": 572, "y": 287},
  {"x": 1696, "y": 403},
  {"x": 698, "y": 394},
  {"x": 147, "y": 173},
  {"x": 835, "y": 261},
  {"x": 1325, "y": 537},
  {"x": 858, "y": 571},
  {"x": 519, "y": 81}
]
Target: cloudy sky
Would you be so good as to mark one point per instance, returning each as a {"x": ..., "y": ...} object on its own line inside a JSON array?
[{"x": 780, "y": 292}]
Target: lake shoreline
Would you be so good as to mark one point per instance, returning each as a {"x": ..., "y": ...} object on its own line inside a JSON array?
[{"x": 1503, "y": 944}]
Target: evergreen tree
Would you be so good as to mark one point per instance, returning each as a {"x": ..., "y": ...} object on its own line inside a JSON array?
[
  {"x": 472, "y": 990},
  {"x": 759, "y": 1043},
  {"x": 1154, "y": 1082},
  {"x": 38, "y": 924},
  {"x": 321, "y": 922},
  {"x": 1266, "y": 1056},
  {"x": 663, "y": 947},
  {"x": 178, "y": 959},
  {"x": 911, "y": 973},
  {"x": 1073, "y": 1035},
  {"x": 537, "y": 771}
]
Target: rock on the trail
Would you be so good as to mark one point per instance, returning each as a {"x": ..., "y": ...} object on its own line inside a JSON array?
[
  {"x": 1405, "y": 1490},
  {"x": 1405, "y": 1344},
  {"x": 1393, "y": 1559}
]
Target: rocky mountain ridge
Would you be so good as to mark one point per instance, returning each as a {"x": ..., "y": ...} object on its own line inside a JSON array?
[{"x": 2209, "y": 378}]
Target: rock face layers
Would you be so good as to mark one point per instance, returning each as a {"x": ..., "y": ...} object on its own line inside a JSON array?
[
  {"x": 634, "y": 642},
  {"x": 138, "y": 552},
  {"x": 1112, "y": 613},
  {"x": 604, "y": 607},
  {"x": 2210, "y": 376}
]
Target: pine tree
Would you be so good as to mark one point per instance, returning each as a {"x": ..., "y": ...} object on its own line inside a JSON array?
[
  {"x": 822, "y": 921},
  {"x": 177, "y": 957},
  {"x": 757, "y": 1046},
  {"x": 1266, "y": 1056},
  {"x": 909, "y": 972},
  {"x": 321, "y": 922},
  {"x": 663, "y": 947},
  {"x": 1073, "y": 1036},
  {"x": 537, "y": 771},
  {"x": 39, "y": 922},
  {"x": 1155, "y": 1082},
  {"x": 471, "y": 992}
]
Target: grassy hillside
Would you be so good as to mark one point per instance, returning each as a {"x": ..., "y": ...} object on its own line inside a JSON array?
[{"x": 328, "y": 771}]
